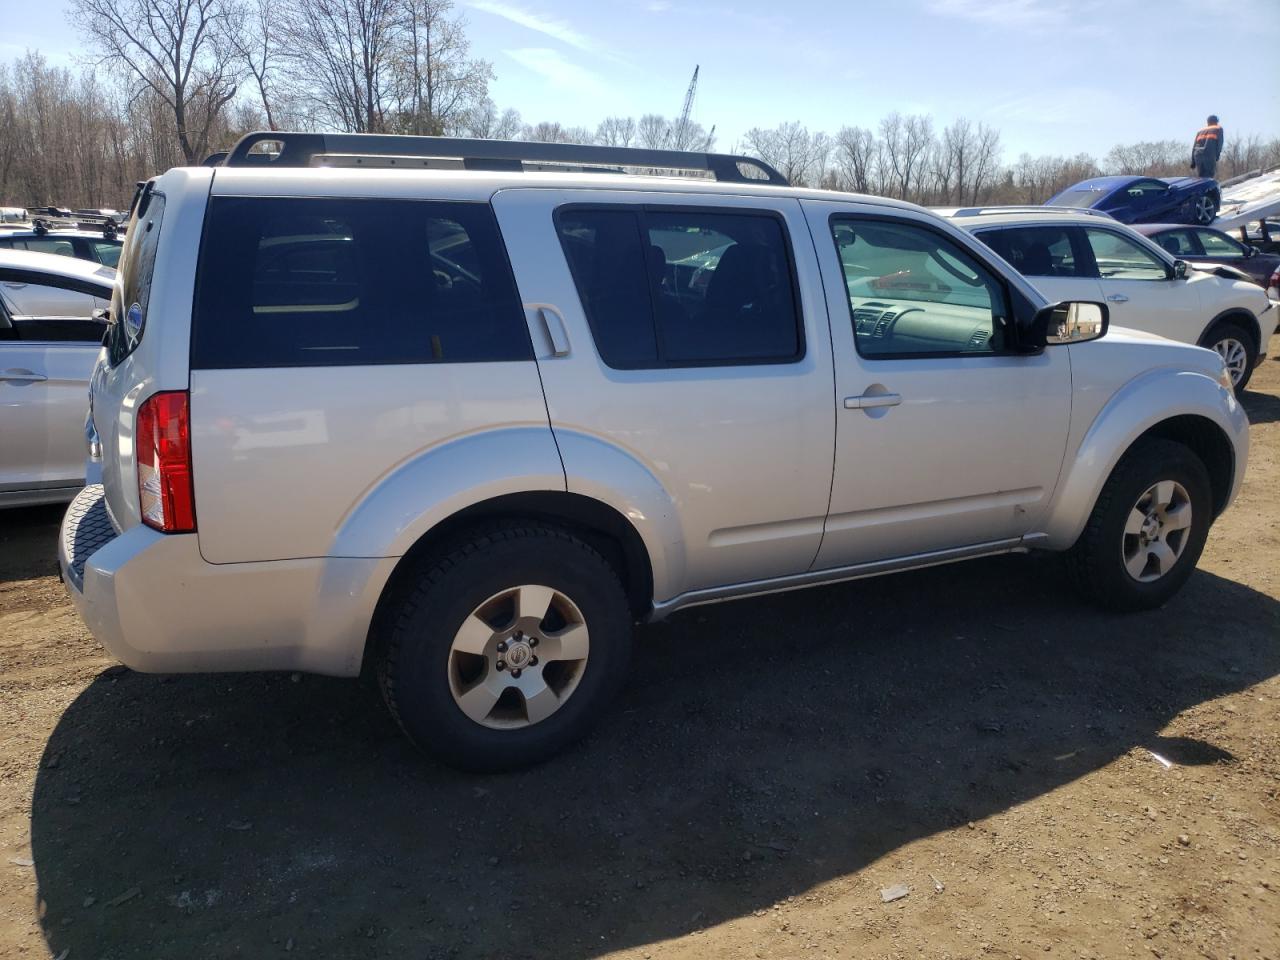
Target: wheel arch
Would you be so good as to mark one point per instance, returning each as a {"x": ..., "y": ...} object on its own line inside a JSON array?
[
  {"x": 1234, "y": 315},
  {"x": 598, "y": 524},
  {"x": 1190, "y": 408}
]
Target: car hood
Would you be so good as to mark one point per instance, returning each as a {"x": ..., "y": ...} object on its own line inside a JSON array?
[{"x": 1143, "y": 351}]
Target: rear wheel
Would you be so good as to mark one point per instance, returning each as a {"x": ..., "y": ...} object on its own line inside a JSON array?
[
  {"x": 1147, "y": 529},
  {"x": 507, "y": 649},
  {"x": 1204, "y": 208},
  {"x": 1235, "y": 346}
]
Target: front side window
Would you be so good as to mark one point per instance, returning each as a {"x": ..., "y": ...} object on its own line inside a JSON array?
[
  {"x": 287, "y": 282},
  {"x": 1147, "y": 190},
  {"x": 673, "y": 287},
  {"x": 106, "y": 252},
  {"x": 913, "y": 292},
  {"x": 1121, "y": 258},
  {"x": 1178, "y": 243},
  {"x": 1219, "y": 245},
  {"x": 1036, "y": 251}
]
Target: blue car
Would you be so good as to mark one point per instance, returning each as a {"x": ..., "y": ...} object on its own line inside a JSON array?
[{"x": 1146, "y": 199}]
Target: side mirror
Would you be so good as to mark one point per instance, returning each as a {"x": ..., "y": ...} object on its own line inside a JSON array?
[
  {"x": 1250, "y": 250},
  {"x": 1071, "y": 322},
  {"x": 1179, "y": 270}
]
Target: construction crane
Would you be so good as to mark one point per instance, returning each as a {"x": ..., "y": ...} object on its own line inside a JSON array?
[{"x": 680, "y": 132}]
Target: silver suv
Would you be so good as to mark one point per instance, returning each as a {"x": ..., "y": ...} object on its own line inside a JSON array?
[{"x": 408, "y": 406}]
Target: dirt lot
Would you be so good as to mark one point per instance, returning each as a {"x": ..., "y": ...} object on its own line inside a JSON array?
[{"x": 971, "y": 732}]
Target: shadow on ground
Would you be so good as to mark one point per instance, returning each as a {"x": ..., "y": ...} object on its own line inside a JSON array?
[
  {"x": 1261, "y": 407},
  {"x": 29, "y": 542},
  {"x": 816, "y": 731}
]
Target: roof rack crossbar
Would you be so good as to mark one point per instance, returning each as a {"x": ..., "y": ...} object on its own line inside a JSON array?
[{"x": 309, "y": 149}]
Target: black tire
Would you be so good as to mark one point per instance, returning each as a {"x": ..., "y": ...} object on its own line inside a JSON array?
[
  {"x": 414, "y": 655},
  {"x": 1230, "y": 330},
  {"x": 1096, "y": 562}
]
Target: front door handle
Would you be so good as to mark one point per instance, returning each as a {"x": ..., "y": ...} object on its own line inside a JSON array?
[
  {"x": 868, "y": 401},
  {"x": 1117, "y": 298},
  {"x": 22, "y": 376}
]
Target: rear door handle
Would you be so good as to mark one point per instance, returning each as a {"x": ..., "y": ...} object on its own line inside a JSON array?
[
  {"x": 869, "y": 400},
  {"x": 1117, "y": 298},
  {"x": 554, "y": 325},
  {"x": 17, "y": 375}
]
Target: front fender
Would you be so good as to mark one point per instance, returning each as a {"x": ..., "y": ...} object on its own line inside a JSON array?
[
  {"x": 424, "y": 490},
  {"x": 1135, "y": 408}
]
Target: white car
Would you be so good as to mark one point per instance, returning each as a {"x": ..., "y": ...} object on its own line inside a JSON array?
[
  {"x": 1070, "y": 255},
  {"x": 50, "y": 336}
]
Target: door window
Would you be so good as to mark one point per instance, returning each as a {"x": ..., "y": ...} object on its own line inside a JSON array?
[
  {"x": 1036, "y": 251},
  {"x": 1147, "y": 190},
  {"x": 58, "y": 246},
  {"x": 48, "y": 309},
  {"x": 677, "y": 287},
  {"x": 913, "y": 292},
  {"x": 106, "y": 252},
  {"x": 1178, "y": 243},
  {"x": 1120, "y": 258},
  {"x": 1219, "y": 245}
]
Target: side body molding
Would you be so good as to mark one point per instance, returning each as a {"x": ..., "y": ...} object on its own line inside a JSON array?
[
  {"x": 1142, "y": 403},
  {"x": 432, "y": 486}
]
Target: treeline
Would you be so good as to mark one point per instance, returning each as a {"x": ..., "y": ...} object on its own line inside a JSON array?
[{"x": 167, "y": 82}]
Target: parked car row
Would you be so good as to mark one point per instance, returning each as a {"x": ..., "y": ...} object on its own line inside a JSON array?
[{"x": 610, "y": 398}]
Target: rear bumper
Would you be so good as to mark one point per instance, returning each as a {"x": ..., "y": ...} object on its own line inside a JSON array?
[{"x": 155, "y": 604}]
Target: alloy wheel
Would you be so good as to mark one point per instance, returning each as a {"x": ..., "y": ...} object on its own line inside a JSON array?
[
  {"x": 1205, "y": 209},
  {"x": 1157, "y": 531},
  {"x": 1235, "y": 355},
  {"x": 518, "y": 657}
]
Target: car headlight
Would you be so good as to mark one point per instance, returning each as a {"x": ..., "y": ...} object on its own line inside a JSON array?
[{"x": 1224, "y": 378}]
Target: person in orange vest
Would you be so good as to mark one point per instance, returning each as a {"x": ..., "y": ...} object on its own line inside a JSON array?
[{"x": 1207, "y": 148}]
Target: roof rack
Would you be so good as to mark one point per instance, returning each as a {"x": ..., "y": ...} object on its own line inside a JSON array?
[
  {"x": 392, "y": 150},
  {"x": 1028, "y": 208}
]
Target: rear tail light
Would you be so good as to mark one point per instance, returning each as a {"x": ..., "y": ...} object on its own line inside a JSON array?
[{"x": 164, "y": 463}]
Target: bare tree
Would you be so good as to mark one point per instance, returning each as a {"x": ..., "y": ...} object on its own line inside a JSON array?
[
  {"x": 855, "y": 155},
  {"x": 341, "y": 59},
  {"x": 906, "y": 142},
  {"x": 616, "y": 131},
  {"x": 442, "y": 82},
  {"x": 177, "y": 49},
  {"x": 485, "y": 122},
  {"x": 255, "y": 42},
  {"x": 653, "y": 131},
  {"x": 798, "y": 155}
]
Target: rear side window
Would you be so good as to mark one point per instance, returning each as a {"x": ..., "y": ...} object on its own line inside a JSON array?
[
  {"x": 289, "y": 282},
  {"x": 137, "y": 266},
  {"x": 677, "y": 287}
]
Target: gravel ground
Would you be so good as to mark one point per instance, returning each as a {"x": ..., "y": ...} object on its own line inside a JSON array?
[{"x": 1042, "y": 779}]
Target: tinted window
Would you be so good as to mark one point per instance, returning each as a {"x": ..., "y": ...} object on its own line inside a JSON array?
[
  {"x": 677, "y": 287},
  {"x": 106, "y": 252},
  {"x": 1036, "y": 251},
  {"x": 1178, "y": 243},
  {"x": 1120, "y": 258},
  {"x": 289, "y": 282},
  {"x": 45, "y": 309},
  {"x": 137, "y": 265},
  {"x": 58, "y": 247},
  {"x": 1218, "y": 245},
  {"x": 1146, "y": 189},
  {"x": 913, "y": 292}
]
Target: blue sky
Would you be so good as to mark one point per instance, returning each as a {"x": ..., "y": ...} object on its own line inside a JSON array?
[{"x": 1055, "y": 76}]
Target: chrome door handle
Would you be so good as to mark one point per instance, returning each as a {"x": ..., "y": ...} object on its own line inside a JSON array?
[
  {"x": 1117, "y": 298},
  {"x": 22, "y": 376},
  {"x": 870, "y": 400}
]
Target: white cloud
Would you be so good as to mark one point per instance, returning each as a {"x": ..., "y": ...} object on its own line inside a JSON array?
[
  {"x": 560, "y": 73},
  {"x": 658, "y": 6},
  {"x": 1017, "y": 14},
  {"x": 558, "y": 29}
]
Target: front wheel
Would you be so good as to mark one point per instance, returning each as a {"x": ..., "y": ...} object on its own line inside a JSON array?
[
  {"x": 507, "y": 649},
  {"x": 1147, "y": 529},
  {"x": 1235, "y": 346}
]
